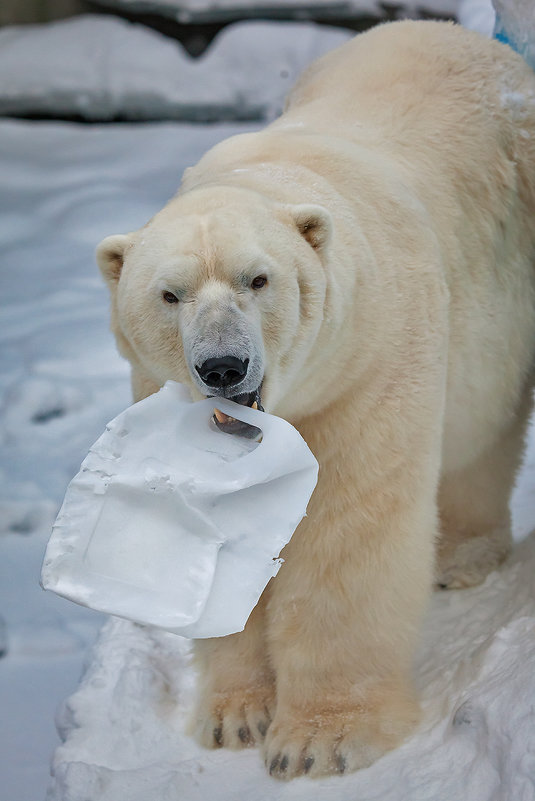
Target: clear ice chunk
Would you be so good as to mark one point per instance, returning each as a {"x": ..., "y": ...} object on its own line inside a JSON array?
[{"x": 515, "y": 25}]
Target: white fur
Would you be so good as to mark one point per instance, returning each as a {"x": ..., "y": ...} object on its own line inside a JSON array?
[{"x": 392, "y": 209}]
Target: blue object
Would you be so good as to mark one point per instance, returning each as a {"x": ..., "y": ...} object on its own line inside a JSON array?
[
  {"x": 519, "y": 36},
  {"x": 501, "y": 37}
]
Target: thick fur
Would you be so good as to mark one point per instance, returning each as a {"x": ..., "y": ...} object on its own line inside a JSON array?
[{"x": 392, "y": 210}]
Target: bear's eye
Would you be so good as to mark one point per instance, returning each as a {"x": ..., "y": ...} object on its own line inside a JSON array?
[
  {"x": 258, "y": 282},
  {"x": 169, "y": 297}
]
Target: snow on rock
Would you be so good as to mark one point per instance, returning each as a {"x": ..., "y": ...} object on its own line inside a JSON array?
[
  {"x": 198, "y": 11},
  {"x": 103, "y": 68},
  {"x": 478, "y": 15},
  {"x": 188, "y": 11},
  {"x": 125, "y": 737}
]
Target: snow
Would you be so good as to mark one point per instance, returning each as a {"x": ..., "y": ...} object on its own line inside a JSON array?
[
  {"x": 125, "y": 725},
  {"x": 63, "y": 188},
  {"x": 61, "y": 378},
  {"x": 198, "y": 11},
  {"x": 195, "y": 10},
  {"x": 478, "y": 15},
  {"x": 121, "y": 70},
  {"x": 515, "y": 24},
  {"x": 66, "y": 186},
  {"x": 511, "y": 21},
  {"x": 198, "y": 516}
]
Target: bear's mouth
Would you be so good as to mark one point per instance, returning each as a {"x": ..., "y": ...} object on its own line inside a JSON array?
[{"x": 229, "y": 425}]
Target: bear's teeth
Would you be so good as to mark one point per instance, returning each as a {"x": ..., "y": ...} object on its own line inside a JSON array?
[
  {"x": 223, "y": 418},
  {"x": 254, "y": 405}
]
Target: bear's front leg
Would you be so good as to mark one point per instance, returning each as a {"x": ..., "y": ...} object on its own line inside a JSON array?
[
  {"x": 236, "y": 689},
  {"x": 346, "y": 607}
]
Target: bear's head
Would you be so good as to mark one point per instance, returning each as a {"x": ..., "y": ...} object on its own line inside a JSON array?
[{"x": 222, "y": 290}]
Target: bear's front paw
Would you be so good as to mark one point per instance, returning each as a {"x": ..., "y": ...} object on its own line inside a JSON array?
[
  {"x": 326, "y": 741},
  {"x": 236, "y": 719},
  {"x": 469, "y": 562}
]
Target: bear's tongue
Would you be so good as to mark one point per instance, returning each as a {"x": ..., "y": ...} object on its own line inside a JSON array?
[{"x": 230, "y": 425}]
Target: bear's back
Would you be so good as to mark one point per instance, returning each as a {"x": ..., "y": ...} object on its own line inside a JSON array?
[{"x": 405, "y": 79}]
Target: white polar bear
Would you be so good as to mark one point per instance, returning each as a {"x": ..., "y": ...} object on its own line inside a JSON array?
[{"x": 365, "y": 268}]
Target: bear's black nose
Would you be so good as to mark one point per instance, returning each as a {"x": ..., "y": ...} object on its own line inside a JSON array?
[{"x": 223, "y": 372}]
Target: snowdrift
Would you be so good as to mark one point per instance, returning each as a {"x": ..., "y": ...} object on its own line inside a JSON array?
[
  {"x": 124, "y": 728},
  {"x": 478, "y": 15}
]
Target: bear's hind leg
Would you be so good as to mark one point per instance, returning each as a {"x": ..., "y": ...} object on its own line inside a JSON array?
[
  {"x": 236, "y": 695},
  {"x": 475, "y": 518}
]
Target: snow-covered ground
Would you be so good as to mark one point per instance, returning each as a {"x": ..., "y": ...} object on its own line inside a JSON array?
[
  {"x": 62, "y": 188},
  {"x": 65, "y": 186}
]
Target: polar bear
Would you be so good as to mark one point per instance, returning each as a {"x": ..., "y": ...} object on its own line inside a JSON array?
[{"x": 365, "y": 268}]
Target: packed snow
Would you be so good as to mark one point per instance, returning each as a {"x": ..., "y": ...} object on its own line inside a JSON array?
[
  {"x": 219, "y": 508},
  {"x": 125, "y": 738},
  {"x": 119, "y": 70},
  {"x": 190, "y": 11},
  {"x": 66, "y": 186},
  {"x": 478, "y": 15}
]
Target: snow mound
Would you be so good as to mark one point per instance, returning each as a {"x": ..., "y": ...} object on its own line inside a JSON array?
[
  {"x": 478, "y": 15},
  {"x": 124, "y": 727},
  {"x": 103, "y": 68}
]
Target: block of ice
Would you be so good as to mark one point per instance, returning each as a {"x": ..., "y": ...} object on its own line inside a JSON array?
[
  {"x": 515, "y": 25},
  {"x": 173, "y": 523}
]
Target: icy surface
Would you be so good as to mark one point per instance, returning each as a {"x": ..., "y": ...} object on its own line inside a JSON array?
[
  {"x": 120, "y": 70},
  {"x": 173, "y": 523}
]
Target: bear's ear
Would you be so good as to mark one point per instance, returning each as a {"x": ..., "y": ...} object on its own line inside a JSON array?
[
  {"x": 110, "y": 256},
  {"x": 314, "y": 224}
]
